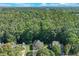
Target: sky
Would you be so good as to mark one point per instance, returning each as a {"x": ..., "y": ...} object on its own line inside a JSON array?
[
  {"x": 39, "y": 4},
  {"x": 39, "y": 1}
]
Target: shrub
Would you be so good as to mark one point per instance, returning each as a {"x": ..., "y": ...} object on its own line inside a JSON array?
[
  {"x": 72, "y": 38},
  {"x": 8, "y": 50},
  {"x": 45, "y": 52},
  {"x": 67, "y": 49},
  {"x": 56, "y": 47},
  {"x": 29, "y": 53},
  {"x": 74, "y": 50},
  {"x": 37, "y": 44}
]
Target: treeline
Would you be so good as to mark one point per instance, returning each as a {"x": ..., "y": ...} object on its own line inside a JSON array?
[{"x": 45, "y": 24}]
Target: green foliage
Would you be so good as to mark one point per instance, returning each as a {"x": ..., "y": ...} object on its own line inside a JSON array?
[
  {"x": 74, "y": 50},
  {"x": 11, "y": 38},
  {"x": 29, "y": 53},
  {"x": 67, "y": 49},
  {"x": 8, "y": 50},
  {"x": 45, "y": 52},
  {"x": 72, "y": 38},
  {"x": 37, "y": 44},
  {"x": 56, "y": 47},
  {"x": 27, "y": 37},
  {"x": 46, "y": 25},
  {"x": 67, "y": 37},
  {"x": 29, "y": 24}
]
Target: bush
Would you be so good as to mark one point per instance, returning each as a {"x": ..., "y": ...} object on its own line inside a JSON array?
[
  {"x": 29, "y": 53},
  {"x": 72, "y": 38},
  {"x": 45, "y": 52},
  {"x": 37, "y": 44},
  {"x": 56, "y": 47},
  {"x": 74, "y": 50},
  {"x": 8, "y": 50},
  {"x": 67, "y": 49}
]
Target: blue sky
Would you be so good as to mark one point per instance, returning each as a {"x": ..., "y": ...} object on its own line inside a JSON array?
[{"x": 39, "y": 4}]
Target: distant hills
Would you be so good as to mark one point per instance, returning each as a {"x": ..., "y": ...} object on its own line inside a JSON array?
[{"x": 39, "y": 4}]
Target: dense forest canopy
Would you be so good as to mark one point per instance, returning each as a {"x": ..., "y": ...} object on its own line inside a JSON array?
[{"x": 45, "y": 24}]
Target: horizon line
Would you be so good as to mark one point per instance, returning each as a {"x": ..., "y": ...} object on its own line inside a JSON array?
[{"x": 39, "y": 4}]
